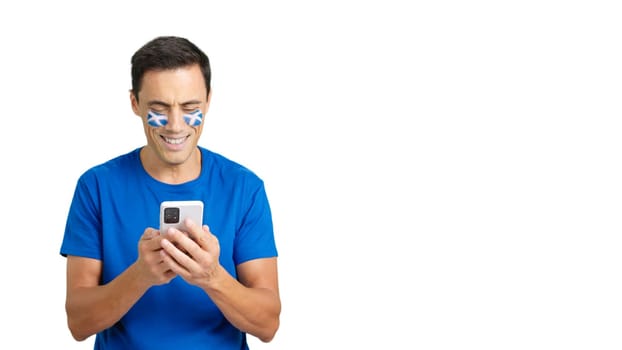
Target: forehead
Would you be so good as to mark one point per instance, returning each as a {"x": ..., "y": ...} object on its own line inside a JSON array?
[{"x": 179, "y": 84}]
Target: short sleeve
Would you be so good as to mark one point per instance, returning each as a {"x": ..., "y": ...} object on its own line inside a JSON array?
[
  {"x": 82, "y": 236},
  {"x": 255, "y": 236}
]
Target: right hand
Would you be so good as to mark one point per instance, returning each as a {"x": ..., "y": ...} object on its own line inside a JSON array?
[{"x": 150, "y": 260}]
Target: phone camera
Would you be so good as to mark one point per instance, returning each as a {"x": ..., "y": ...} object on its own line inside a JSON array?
[{"x": 171, "y": 215}]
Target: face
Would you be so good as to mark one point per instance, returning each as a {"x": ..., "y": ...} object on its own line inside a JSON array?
[{"x": 172, "y": 104}]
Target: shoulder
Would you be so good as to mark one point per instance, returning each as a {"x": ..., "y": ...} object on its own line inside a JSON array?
[
  {"x": 120, "y": 165},
  {"x": 224, "y": 166}
]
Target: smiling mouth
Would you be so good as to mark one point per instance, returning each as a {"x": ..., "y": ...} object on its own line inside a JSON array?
[{"x": 174, "y": 141}]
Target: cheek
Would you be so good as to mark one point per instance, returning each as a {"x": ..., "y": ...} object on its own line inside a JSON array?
[
  {"x": 156, "y": 119},
  {"x": 194, "y": 119}
]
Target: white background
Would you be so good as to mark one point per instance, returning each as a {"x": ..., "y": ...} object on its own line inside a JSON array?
[{"x": 443, "y": 174}]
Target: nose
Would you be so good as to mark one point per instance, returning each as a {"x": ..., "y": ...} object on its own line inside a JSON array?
[{"x": 175, "y": 120}]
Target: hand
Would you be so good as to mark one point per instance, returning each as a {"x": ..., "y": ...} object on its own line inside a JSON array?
[
  {"x": 150, "y": 263},
  {"x": 193, "y": 255}
]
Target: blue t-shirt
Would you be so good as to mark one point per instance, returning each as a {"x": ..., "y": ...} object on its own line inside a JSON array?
[{"x": 112, "y": 205}]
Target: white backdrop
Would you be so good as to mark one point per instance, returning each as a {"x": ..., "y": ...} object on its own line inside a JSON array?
[{"x": 443, "y": 174}]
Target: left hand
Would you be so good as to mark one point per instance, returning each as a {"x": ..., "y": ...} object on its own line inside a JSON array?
[{"x": 193, "y": 255}]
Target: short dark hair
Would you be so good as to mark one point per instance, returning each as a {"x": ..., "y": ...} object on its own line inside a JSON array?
[{"x": 168, "y": 52}]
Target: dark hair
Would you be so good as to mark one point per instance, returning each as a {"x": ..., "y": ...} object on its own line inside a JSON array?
[{"x": 167, "y": 52}]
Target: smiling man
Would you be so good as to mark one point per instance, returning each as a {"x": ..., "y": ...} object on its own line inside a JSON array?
[
  {"x": 134, "y": 287},
  {"x": 174, "y": 98}
]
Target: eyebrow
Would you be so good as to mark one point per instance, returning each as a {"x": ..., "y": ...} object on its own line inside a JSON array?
[{"x": 164, "y": 104}]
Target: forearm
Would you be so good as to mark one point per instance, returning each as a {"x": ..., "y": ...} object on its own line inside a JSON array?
[
  {"x": 93, "y": 309},
  {"x": 252, "y": 310}
]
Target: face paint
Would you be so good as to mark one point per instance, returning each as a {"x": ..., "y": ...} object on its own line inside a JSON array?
[
  {"x": 156, "y": 119},
  {"x": 194, "y": 119}
]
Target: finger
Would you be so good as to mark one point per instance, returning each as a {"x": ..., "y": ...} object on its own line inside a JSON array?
[
  {"x": 194, "y": 230},
  {"x": 176, "y": 260},
  {"x": 150, "y": 240},
  {"x": 194, "y": 243},
  {"x": 150, "y": 233},
  {"x": 203, "y": 240},
  {"x": 178, "y": 239},
  {"x": 162, "y": 271}
]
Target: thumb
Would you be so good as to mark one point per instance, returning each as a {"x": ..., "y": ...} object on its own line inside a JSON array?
[{"x": 150, "y": 233}]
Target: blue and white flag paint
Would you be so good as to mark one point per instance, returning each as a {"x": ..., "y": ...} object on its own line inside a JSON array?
[
  {"x": 156, "y": 119},
  {"x": 194, "y": 119}
]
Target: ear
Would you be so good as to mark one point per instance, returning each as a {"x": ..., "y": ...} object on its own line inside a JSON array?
[
  {"x": 134, "y": 103},
  {"x": 209, "y": 98}
]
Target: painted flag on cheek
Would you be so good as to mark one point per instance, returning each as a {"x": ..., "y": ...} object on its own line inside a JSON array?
[
  {"x": 156, "y": 119},
  {"x": 194, "y": 119}
]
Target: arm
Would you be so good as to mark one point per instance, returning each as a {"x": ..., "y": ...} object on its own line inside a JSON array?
[
  {"x": 251, "y": 303},
  {"x": 92, "y": 307}
]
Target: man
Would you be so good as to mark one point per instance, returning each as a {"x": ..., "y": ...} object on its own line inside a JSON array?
[{"x": 138, "y": 288}]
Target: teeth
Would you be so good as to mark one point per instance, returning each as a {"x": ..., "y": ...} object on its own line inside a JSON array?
[{"x": 174, "y": 141}]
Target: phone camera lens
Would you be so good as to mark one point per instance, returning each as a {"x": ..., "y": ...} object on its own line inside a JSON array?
[{"x": 171, "y": 215}]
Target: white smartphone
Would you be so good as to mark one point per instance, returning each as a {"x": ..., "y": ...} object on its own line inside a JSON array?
[{"x": 174, "y": 213}]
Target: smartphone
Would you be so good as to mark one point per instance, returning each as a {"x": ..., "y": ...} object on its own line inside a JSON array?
[{"x": 174, "y": 213}]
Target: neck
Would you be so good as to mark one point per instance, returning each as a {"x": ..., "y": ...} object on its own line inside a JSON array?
[{"x": 169, "y": 172}]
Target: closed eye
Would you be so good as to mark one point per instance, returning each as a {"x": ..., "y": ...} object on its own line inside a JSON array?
[{"x": 190, "y": 109}]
